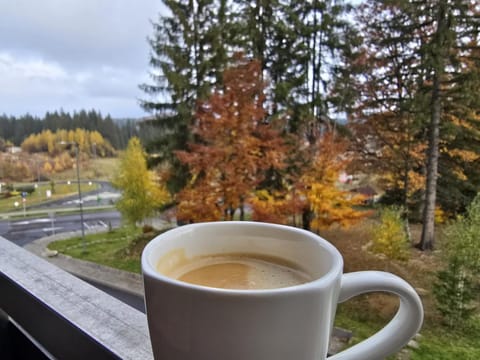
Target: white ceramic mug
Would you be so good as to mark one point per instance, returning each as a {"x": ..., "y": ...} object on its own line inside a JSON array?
[{"x": 194, "y": 322}]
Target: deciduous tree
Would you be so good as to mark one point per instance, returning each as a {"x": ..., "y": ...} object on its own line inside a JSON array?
[
  {"x": 141, "y": 193},
  {"x": 325, "y": 201},
  {"x": 235, "y": 146}
]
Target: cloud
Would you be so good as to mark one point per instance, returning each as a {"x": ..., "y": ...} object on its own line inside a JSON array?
[
  {"x": 74, "y": 54},
  {"x": 35, "y": 86},
  {"x": 19, "y": 75},
  {"x": 29, "y": 68},
  {"x": 79, "y": 32}
]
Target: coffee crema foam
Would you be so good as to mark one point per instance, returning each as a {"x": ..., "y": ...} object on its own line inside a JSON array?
[{"x": 233, "y": 271}]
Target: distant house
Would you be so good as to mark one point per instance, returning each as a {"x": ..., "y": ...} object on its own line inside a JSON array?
[{"x": 14, "y": 149}]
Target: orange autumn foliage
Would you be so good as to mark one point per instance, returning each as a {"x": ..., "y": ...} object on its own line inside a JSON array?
[{"x": 233, "y": 149}]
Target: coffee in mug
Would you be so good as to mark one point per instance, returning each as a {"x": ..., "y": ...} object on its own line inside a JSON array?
[{"x": 247, "y": 271}]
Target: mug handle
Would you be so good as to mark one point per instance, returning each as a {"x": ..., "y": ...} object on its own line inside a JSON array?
[{"x": 396, "y": 334}]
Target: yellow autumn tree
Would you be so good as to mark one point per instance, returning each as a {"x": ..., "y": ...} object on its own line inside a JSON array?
[
  {"x": 47, "y": 167},
  {"x": 54, "y": 143},
  {"x": 319, "y": 186},
  {"x": 389, "y": 237},
  {"x": 141, "y": 194}
]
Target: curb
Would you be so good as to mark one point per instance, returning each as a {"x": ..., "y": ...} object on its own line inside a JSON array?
[{"x": 118, "y": 279}]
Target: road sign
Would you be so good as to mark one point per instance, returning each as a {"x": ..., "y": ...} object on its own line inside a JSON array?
[{"x": 24, "y": 194}]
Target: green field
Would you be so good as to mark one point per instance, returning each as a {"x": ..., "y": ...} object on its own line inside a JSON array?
[{"x": 117, "y": 248}]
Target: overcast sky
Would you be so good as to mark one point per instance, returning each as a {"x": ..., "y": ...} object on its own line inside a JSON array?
[{"x": 74, "y": 54}]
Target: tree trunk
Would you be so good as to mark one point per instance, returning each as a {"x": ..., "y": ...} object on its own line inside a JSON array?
[
  {"x": 406, "y": 189},
  {"x": 428, "y": 230},
  {"x": 440, "y": 51},
  {"x": 306, "y": 218}
]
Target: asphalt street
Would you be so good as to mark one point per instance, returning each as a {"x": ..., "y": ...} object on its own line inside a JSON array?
[
  {"x": 104, "y": 194},
  {"x": 23, "y": 231}
]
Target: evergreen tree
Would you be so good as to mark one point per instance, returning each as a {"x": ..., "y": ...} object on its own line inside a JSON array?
[
  {"x": 188, "y": 56},
  {"x": 16, "y": 130},
  {"x": 452, "y": 30},
  {"x": 457, "y": 284},
  {"x": 388, "y": 133},
  {"x": 325, "y": 32},
  {"x": 298, "y": 44}
]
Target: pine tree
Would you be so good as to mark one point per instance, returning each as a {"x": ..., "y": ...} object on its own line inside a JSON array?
[
  {"x": 452, "y": 28},
  {"x": 388, "y": 132},
  {"x": 188, "y": 55},
  {"x": 456, "y": 286}
]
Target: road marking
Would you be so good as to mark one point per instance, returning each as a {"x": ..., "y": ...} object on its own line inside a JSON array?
[
  {"x": 52, "y": 229},
  {"x": 28, "y": 222}
]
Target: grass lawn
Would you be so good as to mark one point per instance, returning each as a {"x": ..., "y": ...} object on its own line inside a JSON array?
[
  {"x": 120, "y": 248},
  {"x": 364, "y": 315}
]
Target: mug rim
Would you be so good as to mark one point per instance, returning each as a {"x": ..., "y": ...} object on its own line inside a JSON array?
[{"x": 321, "y": 282}]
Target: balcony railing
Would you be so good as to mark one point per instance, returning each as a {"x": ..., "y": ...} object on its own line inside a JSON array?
[{"x": 60, "y": 316}]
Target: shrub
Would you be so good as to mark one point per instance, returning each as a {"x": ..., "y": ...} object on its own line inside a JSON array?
[
  {"x": 454, "y": 291},
  {"x": 457, "y": 286},
  {"x": 389, "y": 237},
  {"x": 25, "y": 188}
]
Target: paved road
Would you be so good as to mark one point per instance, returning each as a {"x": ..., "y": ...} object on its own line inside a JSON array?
[
  {"x": 105, "y": 194},
  {"x": 24, "y": 231}
]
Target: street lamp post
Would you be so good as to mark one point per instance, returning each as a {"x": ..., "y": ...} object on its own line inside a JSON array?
[{"x": 75, "y": 144}]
